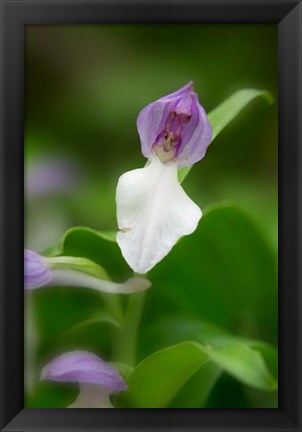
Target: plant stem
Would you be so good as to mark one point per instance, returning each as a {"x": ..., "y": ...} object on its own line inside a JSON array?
[
  {"x": 113, "y": 304},
  {"x": 31, "y": 342},
  {"x": 126, "y": 341}
]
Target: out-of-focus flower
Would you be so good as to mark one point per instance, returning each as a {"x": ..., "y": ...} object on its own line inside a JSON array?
[
  {"x": 48, "y": 178},
  {"x": 42, "y": 271},
  {"x": 97, "y": 379},
  {"x": 51, "y": 175},
  {"x": 36, "y": 271},
  {"x": 153, "y": 211}
]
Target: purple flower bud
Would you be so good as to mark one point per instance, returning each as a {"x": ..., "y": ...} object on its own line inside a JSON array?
[
  {"x": 85, "y": 368},
  {"x": 36, "y": 271},
  {"x": 175, "y": 127}
]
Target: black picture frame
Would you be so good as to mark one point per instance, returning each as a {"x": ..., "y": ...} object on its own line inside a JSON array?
[{"x": 14, "y": 15}]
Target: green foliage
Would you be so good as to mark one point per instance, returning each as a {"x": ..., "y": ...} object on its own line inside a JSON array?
[
  {"x": 96, "y": 246},
  {"x": 196, "y": 391},
  {"x": 222, "y": 115},
  {"x": 156, "y": 380},
  {"x": 215, "y": 326},
  {"x": 80, "y": 264},
  {"x": 71, "y": 318},
  {"x": 225, "y": 273},
  {"x": 51, "y": 395},
  {"x": 211, "y": 313}
]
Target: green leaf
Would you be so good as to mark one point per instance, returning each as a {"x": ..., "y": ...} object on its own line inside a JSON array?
[
  {"x": 124, "y": 369},
  {"x": 176, "y": 329},
  {"x": 245, "y": 364},
  {"x": 222, "y": 115},
  {"x": 196, "y": 391},
  {"x": 269, "y": 353},
  {"x": 59, "y": 309},
  {"x": 108, "y": 235},
  {"x": 102, "y": 317},
  {"x": 227, "y": 276},
  {"x": 99, "y": 247},
  {"x": 80, "y": 264},
  {"x": 158, "y": 378}
]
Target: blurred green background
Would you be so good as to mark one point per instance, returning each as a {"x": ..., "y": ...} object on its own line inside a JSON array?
[{"x": 84, "y": 87}]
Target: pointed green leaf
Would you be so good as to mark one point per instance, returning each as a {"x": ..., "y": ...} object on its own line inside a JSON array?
[
  {"x": 157, "y": 379},
  {"x": 197, "y": 389},
  {"x": 99, "y": 247},
  {"x": 176, "y": 329},
  {"x": 80, "y": 264},
  {"x": 245, "y": 364},
  {"x": 228, "y": 277},
  {"x": 222, "y": 115}
]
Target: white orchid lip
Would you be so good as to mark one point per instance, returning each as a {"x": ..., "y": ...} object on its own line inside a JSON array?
[{"x": 153, "y": 212}]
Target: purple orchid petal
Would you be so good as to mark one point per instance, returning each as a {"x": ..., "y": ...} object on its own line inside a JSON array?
[
  {"x": 149, "y": 124},
  {"x": 83, "y": 367},
  {"x": 197, "y": 135},
  {"x": 184, "y": 106},
  {"x": 175, "y": 127},
  {"x": 183, "y": 91},
  {"x": 36, "y": 272},
  {"x": 152, "y": 118}
]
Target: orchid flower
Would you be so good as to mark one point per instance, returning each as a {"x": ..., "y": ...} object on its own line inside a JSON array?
[
  {"x": 153, "y": 210},
  {"x": 97, "y": 379},
  {"x": 42, "y": 271}
]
